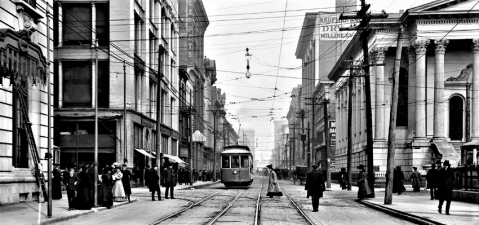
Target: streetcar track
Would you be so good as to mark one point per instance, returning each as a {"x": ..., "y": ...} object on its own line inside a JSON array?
[
  {"x": 299, "y": 209},
  {"x": 257, "y": 213},
  {"x": 228, "y": 206},
  {"x": 191, "y": 205}
]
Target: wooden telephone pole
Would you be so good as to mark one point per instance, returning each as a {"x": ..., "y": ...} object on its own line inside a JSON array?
[
  {"x": 293, "y": 147},
  {"x": 388, "y": 197},
  {"x": 313, "y": 102},
  {"x": 363, "y": 26}
]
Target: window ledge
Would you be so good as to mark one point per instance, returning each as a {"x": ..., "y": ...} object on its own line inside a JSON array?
[{"x": 27, "y": 8}]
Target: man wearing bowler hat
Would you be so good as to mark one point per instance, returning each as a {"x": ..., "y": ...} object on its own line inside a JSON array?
[
  {"x": 315, "y": 186},
  {"x": 445, "y": 185}
]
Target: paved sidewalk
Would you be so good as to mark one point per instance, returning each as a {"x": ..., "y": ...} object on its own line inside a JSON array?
[
  {"x": 417, "y": 207},
  {"x": 36, "y": 213}
]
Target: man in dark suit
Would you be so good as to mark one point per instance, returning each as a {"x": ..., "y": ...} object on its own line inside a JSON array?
[
  {"x": 169, "y": 180},
  {"x": 315, "y": 186},
  {"x": 154, "y": 185},
  {"x": 446, "y": 183}
]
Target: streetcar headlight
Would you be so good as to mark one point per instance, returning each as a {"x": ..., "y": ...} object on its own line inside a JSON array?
[{"x": 235, "y": 172}]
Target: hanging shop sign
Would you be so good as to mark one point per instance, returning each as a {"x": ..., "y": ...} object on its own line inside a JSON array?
[
  {"x": 198, "y": 137},
  {"x": 184, "y": 152}
]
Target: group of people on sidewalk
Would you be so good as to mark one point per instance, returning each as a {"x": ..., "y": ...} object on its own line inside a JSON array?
[
  {"x": 169, "y": 179},
  {"x": 440, "y": 181},
  {"x": 114, "y": 185}
]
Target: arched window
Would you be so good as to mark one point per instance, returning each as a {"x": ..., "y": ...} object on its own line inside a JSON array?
[
  {"x": 402, "y": 98},
  {"x": 456, "y": 106}
]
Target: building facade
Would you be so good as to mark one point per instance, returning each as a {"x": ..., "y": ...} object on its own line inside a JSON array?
[
  {"x": 433, "y": 119},
  {"x": 192, "y": 61},
  {"x": 133, "y": 47},
  {"x": 24, "y": 76}
]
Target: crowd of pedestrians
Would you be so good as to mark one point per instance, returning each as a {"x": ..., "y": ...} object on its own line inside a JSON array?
[{"x": 78, "y": 182}]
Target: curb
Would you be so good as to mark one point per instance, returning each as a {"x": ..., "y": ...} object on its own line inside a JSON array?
[
  {"x": 406, "y": 216},
  {"x": 59, "y": 219}
]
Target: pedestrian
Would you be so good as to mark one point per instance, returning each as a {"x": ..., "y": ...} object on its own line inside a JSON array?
[
  {"x": 126, "y": 181},
  {"x": 416, "y": 180},
  {"x": 118, "y": 190},
  {"x": 446, "y": 183},
  {"x": 169, "y": 180},
  {"x": 431, "y": 178},
  {"x": 398, "y": 183},
  {"x": 343, "y": 179},
  {"x": 154, "y": 185},
  {"x": 70, "y": 180},
  {"x": 315, "y": 186},
  {"x": 56, "y": 183},
  {"x": 83, "y": 198},
  {"x": 364, "y": 189},
  {"x": 273, "y": 186},
  {"x": 105, "y": 194}
]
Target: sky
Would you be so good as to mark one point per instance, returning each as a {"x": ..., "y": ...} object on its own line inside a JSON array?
[{"x": 271, "y": 34}]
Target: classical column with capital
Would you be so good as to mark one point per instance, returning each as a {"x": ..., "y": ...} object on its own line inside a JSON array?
[
  {"x": 421, "y": 48},
  {"x": 475, "y": 91},
  {"x": 439, "y": 105},
  {"x": 380, "y": 128},
  {"x": 411, "y": 92}
]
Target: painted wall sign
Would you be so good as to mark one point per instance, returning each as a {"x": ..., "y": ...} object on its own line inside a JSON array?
[
  {"x": 184, "y": 152},
  {"x": 329, "y": 25}
]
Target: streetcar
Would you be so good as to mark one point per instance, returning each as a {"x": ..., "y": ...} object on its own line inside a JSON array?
[{"x": 236, "y": 166}]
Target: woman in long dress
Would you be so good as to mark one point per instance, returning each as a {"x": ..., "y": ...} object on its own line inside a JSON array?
[
  {"x": 56, "y": 183},
  {"x": 273, "y": 186},
  {"x": 105, "y": 195},
  {"x": 126, "y": 181},
  {"x": 118, "y": 191},
  {"x": 398, "y": 183},
  {"x": 364, "y": 190},
  {"x": 416, "y": 180},
  {"x": 83, "y": 198}
]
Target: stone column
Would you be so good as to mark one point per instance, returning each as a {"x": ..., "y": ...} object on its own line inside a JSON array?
[
  {"x": 475, "y": 91},
  {"x": 439, "y": 105},
  {"x": 421, "y": 48},
  {"x": 380, "y": 134},
  {"x": 411, "y": 92}
]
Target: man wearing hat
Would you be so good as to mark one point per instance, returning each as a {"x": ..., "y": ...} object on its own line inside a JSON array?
[
  {"x": 273, "y": 186},
  {"x": 446, "y": 180},
  {"x": 315, "y": 186}
]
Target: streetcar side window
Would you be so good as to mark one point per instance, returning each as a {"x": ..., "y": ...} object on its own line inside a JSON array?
[
  {"x": 244, "y": 161},
  {"x": 225, "y": 162},
  {"x": 235, "y": 161}
]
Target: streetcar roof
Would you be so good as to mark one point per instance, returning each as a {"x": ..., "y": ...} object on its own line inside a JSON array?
[{"x": 236, "y": 149}]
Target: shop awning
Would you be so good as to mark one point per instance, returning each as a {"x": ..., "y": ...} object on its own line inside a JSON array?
[
  {"x": 145, "y": 153},
  {"x": 174, "y": 159},
  {"x": 448, "y": 152}
]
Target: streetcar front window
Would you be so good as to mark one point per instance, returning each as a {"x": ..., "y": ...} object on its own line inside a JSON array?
[
  {"x": 225, "y": 162},
  {"x": 244, "y": 162},
  {"x": 235, "y": 161}
]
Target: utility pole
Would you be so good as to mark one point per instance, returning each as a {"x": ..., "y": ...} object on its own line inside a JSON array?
[
  {"x": 302, "y": 113},
  {"x": 190, "y": 131},
  {"x": 124, "y": 114},
  {"x": 350, "y": 129},
  {"x": 326, "y": 143},
  {"x": 95, "y": 183},
  {"x": 158, "y": 122},
  {"x": 388, "y": 197},
  {"x": 313, "y": 103},
  {"x": 49, "y": 114},
  {"x": 215, "y": 111},
  {"x": 363, "y": 26},
  {"x": 310, "y": 156},
  {"x": 292, "y": 158}
]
